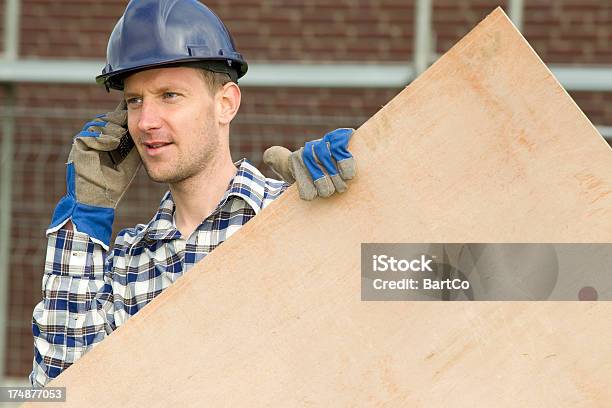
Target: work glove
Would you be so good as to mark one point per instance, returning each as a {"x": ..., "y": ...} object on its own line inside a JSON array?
[
  {"x": 320, "y": 168},
  {"x": 101, "y": 165}
]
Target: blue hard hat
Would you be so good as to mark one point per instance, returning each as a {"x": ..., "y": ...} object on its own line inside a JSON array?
[{"x": 153, "y": 33}]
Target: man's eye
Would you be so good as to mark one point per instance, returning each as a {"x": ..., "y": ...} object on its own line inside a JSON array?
[
  {"x": 170, "y": 95},
  {"x": 133, "y": 101}
]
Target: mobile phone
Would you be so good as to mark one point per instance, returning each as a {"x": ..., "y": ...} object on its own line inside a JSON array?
[{"x": 126, "y": 144}]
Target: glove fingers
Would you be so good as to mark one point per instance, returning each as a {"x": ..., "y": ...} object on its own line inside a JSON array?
[
  {"x": 277, "y": 158},
  {"x": 324, "y": 186},
  {"x": 324, "y": 156},
  {"x": 314, "y": 153},
  {"x": 105, "y": 138},
  {"x": 102, "y": 143},
  {"x": 92, "y": 129},
  {"x": 338, "y": 143},
  {"x": 117, "y": 118},
  {"x": 346, "y": 168},
  {"x": 327, "y": 184},
  {"x": 333, "y": 181},
  {"x": 339, "y": 184},
  {"x": 112, "y": 124},
  {"x": 306, "y": 186},
  {"x": 119, "y": 115},
  {"x": 310, "y": 160},
  {"x": 322, "y": 166}
]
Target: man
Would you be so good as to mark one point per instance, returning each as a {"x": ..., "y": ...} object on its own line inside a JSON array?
[{"x": 177, "y": 66}]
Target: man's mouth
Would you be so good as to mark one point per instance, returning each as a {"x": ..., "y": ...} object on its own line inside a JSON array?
[{"x": 156, "y": 147}]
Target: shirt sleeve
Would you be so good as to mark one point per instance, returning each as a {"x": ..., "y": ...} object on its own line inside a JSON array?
[{"x": 76, "y": 311}]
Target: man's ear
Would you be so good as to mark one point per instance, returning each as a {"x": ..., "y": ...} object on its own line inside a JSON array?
[{"x": 228, "y": 99}]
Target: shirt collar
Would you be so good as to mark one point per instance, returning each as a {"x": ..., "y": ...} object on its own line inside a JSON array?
[{"x": 248, "y": 184}]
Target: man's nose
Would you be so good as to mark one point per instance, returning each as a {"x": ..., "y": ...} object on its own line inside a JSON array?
[{"x": 150, "y": 116}]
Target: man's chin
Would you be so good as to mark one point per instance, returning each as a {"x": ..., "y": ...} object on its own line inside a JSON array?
[{"x": 163, "y": 177}]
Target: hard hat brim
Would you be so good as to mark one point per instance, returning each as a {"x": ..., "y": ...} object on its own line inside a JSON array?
[{"x": 234, "y": 68}]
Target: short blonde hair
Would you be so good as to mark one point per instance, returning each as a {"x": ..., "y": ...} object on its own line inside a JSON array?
[{"x": 214, "y": 80}]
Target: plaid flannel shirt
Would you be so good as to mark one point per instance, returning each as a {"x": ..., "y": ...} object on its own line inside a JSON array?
[{"x": 88, "y": 293}]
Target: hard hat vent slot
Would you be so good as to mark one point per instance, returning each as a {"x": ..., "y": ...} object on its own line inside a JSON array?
[{"x": 199, "y": 50}]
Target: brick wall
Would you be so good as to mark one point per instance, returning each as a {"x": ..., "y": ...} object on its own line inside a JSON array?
[
  {"x": 264, "y": 30},
  {"x": 349, "y": 30},
  {"x": 561, "y": 31}
]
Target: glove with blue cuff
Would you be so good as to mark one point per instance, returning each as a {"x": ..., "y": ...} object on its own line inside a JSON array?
[
  {"x": 320, "y": 168},
  {"x": 101, "y": 165}
]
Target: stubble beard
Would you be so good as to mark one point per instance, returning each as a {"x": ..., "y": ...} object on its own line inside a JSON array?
[{"x": 195, "y": 162}]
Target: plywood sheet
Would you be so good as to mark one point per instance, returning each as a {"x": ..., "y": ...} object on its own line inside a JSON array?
[{"x": 485, "y": 146}]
